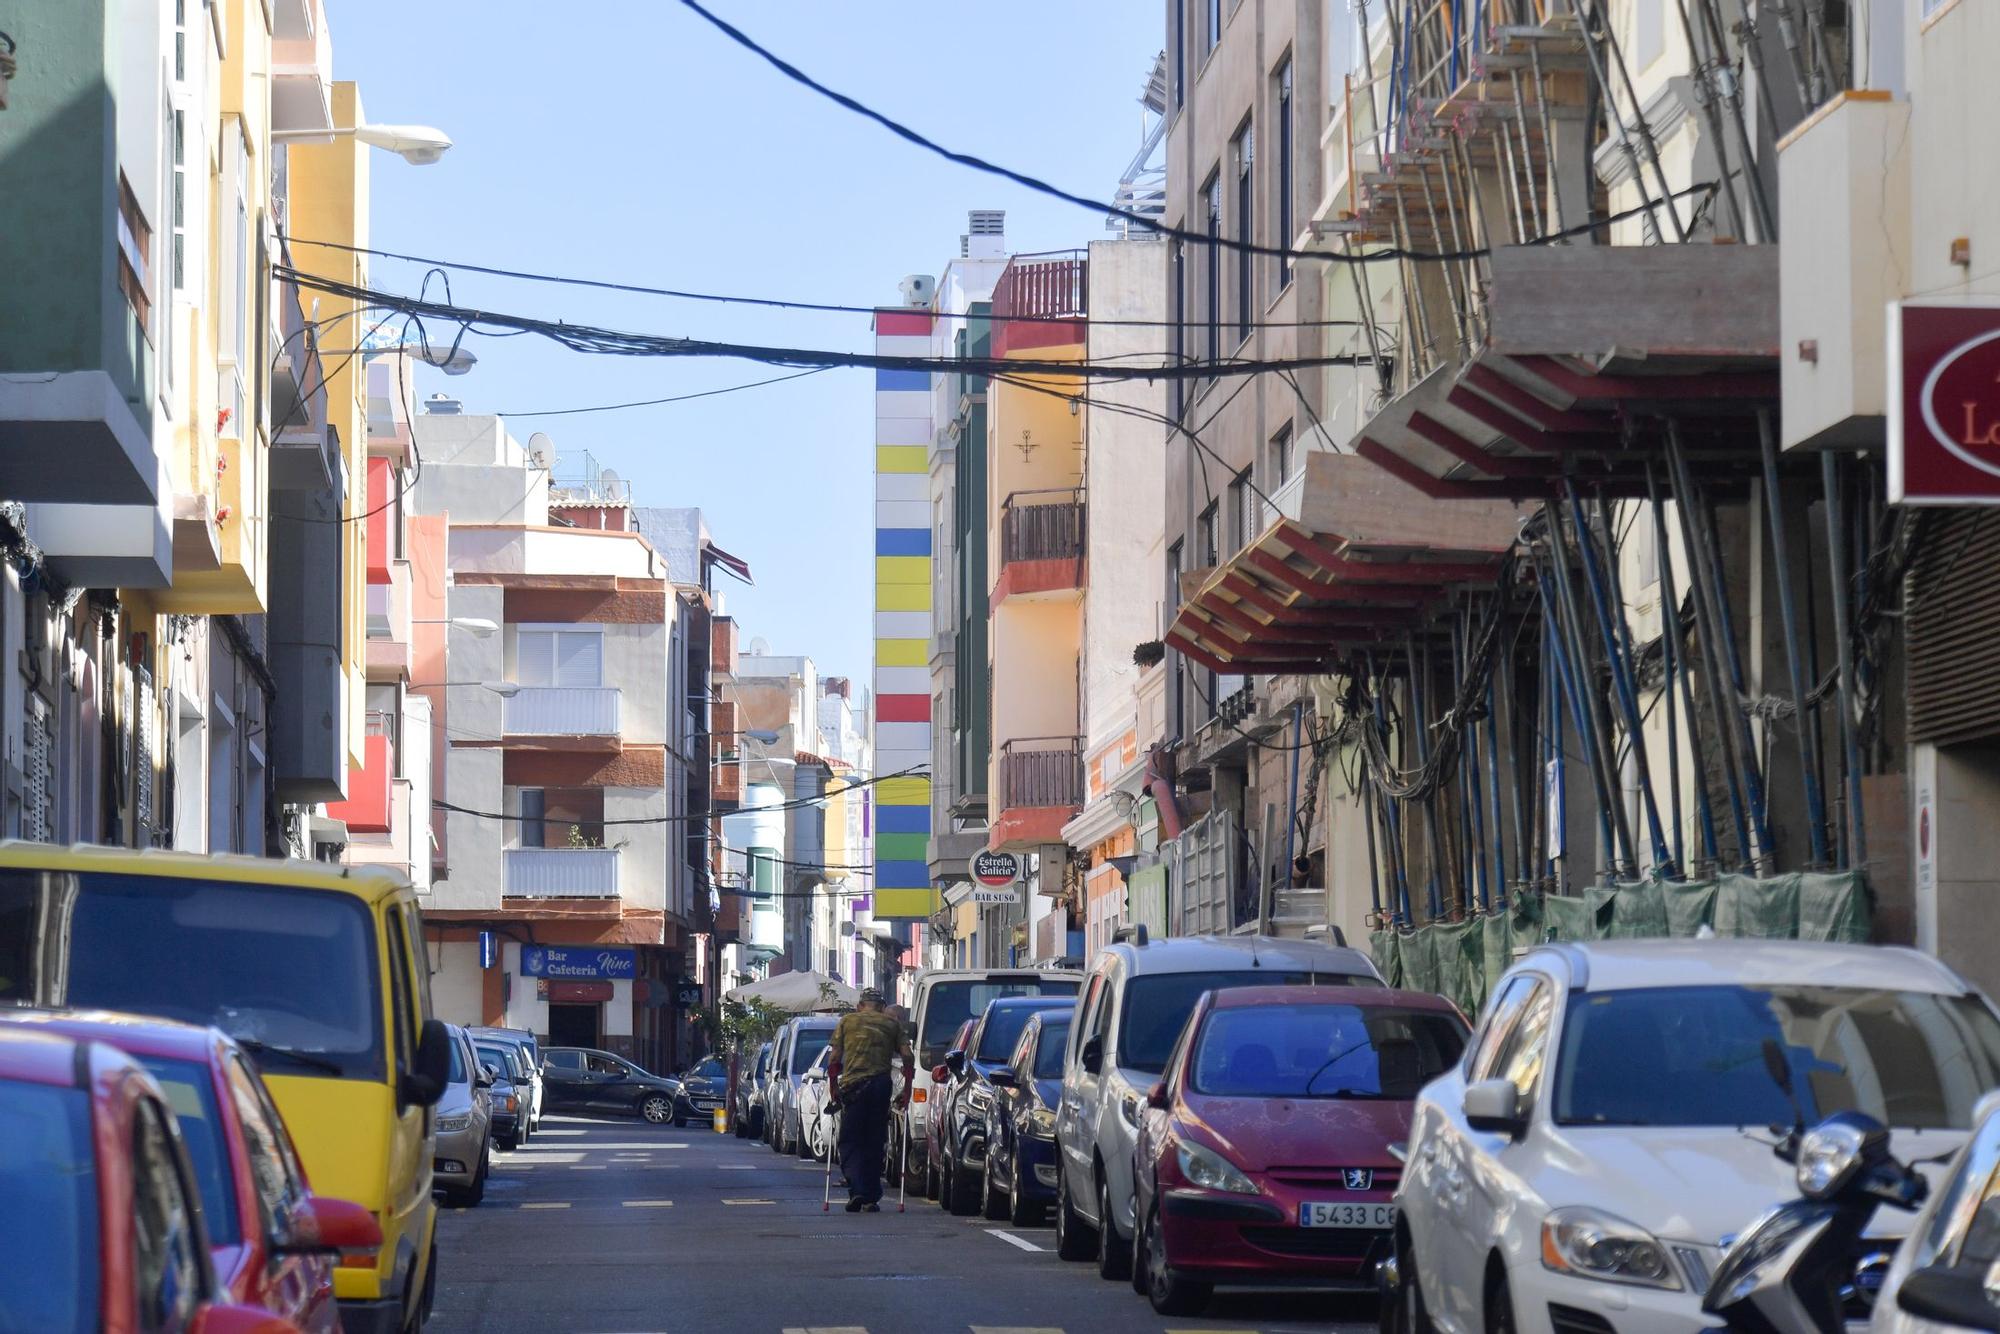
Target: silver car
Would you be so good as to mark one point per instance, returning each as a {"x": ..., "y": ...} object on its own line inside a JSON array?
[
  {"x": 750, "y": 1081},
  {"x": 464, "y": 1145},
  {"x": 799, "y": 1045},
  {"x": 531, "y": 1061}
]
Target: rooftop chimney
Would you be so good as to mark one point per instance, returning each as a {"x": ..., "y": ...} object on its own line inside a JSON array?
[
  {"x": 985, "y": 234},
  {"x": 442, "y": 406}
]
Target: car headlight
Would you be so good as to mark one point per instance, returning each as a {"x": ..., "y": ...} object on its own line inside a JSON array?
[
  {"x": 1590, "y": 1244},
  {"x": 1042, "y": 1123},
  {"x": 1211, "y": 1171},
  {"x": 979, "y": 1100},
  {"x": 513, "y": 1104},
  {"x": 1829, "y": 1156},
  {"x": 448, "y": 1124}
]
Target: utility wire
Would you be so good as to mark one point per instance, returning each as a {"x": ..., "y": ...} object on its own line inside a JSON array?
[
  {"x": 902, "y": 131},
  {"x": 915, "y": 771},
  {"x": 675, "y": 398}
]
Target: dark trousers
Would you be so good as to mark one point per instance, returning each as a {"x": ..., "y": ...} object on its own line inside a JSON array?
[{"x": 864, "y": 1136}]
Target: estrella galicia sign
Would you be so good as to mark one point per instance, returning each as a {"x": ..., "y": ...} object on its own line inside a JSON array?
[
  {"x": 1359, "y": 1178},
  {"x": 578, "y": 962}
]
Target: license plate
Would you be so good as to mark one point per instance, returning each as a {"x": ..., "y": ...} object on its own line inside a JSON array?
[{"x": 1326, "y": 1213}]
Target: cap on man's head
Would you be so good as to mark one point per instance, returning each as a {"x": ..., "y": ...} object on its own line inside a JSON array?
[{"x": 871, "y": 995}]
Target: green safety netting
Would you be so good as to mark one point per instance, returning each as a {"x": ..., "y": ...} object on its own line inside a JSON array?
[{"x": 1460, "y": 960}]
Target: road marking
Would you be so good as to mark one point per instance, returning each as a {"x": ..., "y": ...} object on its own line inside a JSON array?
[
  {"x": 1026, "y": 1329},
  {"x": 649, "y": 1204},
  {"x": 1011, "y": 1240},
  {"x": 547, "y": 1204},
  {"x": 588, "y": 1167},
  {"x": 826, "y": 1329},
  {"x": 749, "y": 1201},
  {"x": 738, "y": 1167}
]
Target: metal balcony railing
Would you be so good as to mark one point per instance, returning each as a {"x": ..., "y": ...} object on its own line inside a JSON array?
[
  {"x": 1042, "y": 525},
  {"x": 563, "y": 711},
  {"x": 561, "y": 873},
  {"x": 1041, "y": 771},
  {"x": 1042, "y": 286}
]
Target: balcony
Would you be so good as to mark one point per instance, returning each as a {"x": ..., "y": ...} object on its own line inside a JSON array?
[
  {"x": 389, "y": 625},
  {"x": 1032, "y": 299},
  {"x": 301, "y": 69},
  {"x": 388, "y": 409},
  {"x": 1041, "y": 790},
  {"x": 1042, "y": 536},
  {"x": 579, "y": 711},
  {"x": 560, "y": 873}
]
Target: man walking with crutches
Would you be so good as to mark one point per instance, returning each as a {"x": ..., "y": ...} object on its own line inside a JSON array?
[{"x": 864, "y": 1048}]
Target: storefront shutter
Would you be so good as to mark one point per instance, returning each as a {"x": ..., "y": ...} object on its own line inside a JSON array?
[{"x": 1952, "y": 620}]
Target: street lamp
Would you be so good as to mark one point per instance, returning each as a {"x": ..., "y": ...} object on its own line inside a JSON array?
[
  {"x": 760, "y": 735},
  {"x": 418, "y": 145},
  {"x": 477, "y": 626},
  {"x": 451, "y": 360}
]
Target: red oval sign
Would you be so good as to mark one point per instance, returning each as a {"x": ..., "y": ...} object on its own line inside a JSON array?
[{"x": 1961, "y": 401}]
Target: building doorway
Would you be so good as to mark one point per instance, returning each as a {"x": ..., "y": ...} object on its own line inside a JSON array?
[{"x": 573, "y": 1025}]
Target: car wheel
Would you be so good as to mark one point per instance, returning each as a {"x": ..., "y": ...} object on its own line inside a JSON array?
[
  {"x": 477, "y": 1190},
  {"x": 420, "y": 1313},
  {"x": 1073, "y": 1239},
  {"x": 1169, "y": 1293},
  {"x": 1499, "y": 1306},
  {"x": 739, "y": 1126},
  {"x": 509, "y": 1143},
  {"x": 992, "y": 1204},
  {"x": 656, "y": 1108},
  {"x": 1139, "y": 1267},
  {"x": 807, "y": 1145},
  {"x": 1021, "y": 1211},
  {"x": 964, "y": 1201},
  {"x": 1112, "y": 1258}
]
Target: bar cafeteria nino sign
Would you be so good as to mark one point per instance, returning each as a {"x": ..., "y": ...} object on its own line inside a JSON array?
[
  {"x": 582, "y": 961},
  {"x": 1944, "y": 403}
]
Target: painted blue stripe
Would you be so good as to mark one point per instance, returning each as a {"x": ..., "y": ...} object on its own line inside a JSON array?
[
  {"x": 903, "y": 819},
  {"x": 902, "y": 875},
  {"x": 902, "y": 541},
  {"x": 887, "y": 381}
]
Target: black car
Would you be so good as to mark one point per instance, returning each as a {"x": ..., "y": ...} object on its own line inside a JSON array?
[
  {"x": 1020, "y": 1177},
  {"x": 580, "y": 1079},
  {"x": 704, "y": 1088},
  {"x": 967, "y": 1099}
]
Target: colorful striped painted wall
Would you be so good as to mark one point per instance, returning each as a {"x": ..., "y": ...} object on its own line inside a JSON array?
[{"x": 903, "y": 619}]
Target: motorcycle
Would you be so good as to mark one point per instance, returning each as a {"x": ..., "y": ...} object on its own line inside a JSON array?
[{"x": 1794, "y": 1269}]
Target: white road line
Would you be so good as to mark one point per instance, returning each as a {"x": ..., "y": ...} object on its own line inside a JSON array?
[
  {"x": 752, "y": 1202},
  {"x": 737, "y": 1167},
  {"x": 1022, "y": 1329},
  {"x": 588, "y": 1167},
  {"x": 547, "y": 1204},
  {"x": 649, "y": 1204},
  {"x": 1013, "y": 1240}
]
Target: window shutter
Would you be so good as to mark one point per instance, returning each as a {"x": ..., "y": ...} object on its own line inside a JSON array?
[
  {"x": 579, "y": 658},
  {"x": 535, "y": 658}
]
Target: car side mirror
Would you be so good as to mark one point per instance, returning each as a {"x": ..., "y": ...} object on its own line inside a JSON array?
[
  {"x": 954, "y": 1061},
  {"x": 1157, "y": 1096},
  {"x": 488, "y": 1077},
  {"x": 1092, "y": 1055},
  {"x": 332, "y": 1227},
  {"x": 1003, "y": 1079},
  {"x": 940, "y": 1073},
  {"x": 425, "y": 1082},
  {"x": 1494, "y": 1106},
  {"x": 1951, "y": 1295}
]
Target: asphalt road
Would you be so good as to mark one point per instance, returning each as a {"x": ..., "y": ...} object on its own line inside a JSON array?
[{"x": 617, "y": 1227}]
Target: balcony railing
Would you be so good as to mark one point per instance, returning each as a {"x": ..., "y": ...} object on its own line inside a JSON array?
[
  {"x": 1040, "y": 301},
  {"x": 1042, "y": 771},
  {"x": 1042, "y": 525},
  {"x": 562, "y": 711},
  {"x": 561, "y": 873}
]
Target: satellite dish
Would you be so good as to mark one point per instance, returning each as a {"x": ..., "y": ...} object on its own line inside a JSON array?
[
  {"x": 541, "y": 450},
  {"x": 612, "y": 484},
  {"x": 760, "y": 647}
]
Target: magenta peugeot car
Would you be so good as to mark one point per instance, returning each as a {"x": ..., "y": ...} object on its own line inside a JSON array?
[{"x": 1264, "y": 1153}]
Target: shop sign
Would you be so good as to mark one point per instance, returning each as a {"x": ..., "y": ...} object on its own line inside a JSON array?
[
  {"x": 578, "y": 961},
  {"x": 1944, "y": 403},
  {"x": 579, "y": 993},
  {"x": 995, "y": 870},
  {"x": 687, "y": 995}
]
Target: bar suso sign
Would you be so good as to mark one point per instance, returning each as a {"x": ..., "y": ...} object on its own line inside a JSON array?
[{"x": 1944, "y": 403}]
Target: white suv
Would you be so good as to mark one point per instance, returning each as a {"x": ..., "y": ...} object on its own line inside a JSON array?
[
  {"x": 1132, "y": 1010},
  {"x": 1609, "y": 1127}
]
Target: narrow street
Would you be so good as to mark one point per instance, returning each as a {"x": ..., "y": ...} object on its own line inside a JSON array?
[{"x": 615, "y": 1227}]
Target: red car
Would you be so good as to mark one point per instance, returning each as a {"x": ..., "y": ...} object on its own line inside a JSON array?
[
  {"x": 943, "y": 1085},
  {"x": 272, "y": 1243},
  {"x": 1264, "y": 1154}
]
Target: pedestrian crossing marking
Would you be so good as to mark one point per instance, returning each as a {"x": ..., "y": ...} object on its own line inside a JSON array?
[
  {"x": 753, "y": 1202},
  {"x": 547, "y": 1204},
  {"x": 649, "y": 1204}
]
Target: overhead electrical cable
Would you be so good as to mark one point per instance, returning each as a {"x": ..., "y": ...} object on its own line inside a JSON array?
[{"x": 672, "y": 398}]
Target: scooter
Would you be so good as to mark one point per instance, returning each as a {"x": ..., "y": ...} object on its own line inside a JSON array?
[{"x": 1792, "y": 1270}]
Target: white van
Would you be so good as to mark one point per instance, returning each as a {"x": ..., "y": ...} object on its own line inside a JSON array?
[
  {"x": 1133, "y": 1008},
  {"x": 940, "y": 1001}
]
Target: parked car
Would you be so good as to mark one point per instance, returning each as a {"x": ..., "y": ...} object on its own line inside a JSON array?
[
  {"x": 932, "y": 1156},
  {"x": 245, "y": 1168},
  {"x": 773, "y": 1076},
  {"x": 508, "y": 1094},
  {"x": 1592, "y": 1146},
  {"x": 1137, "y": 1001},
  {"x": 816, "y": 1138},
  {"x": 1944, "y": 1275},
  {"x": 940, "y": 1001},
  {"x": 961, "y": 1113},
  {"x": 583, "y": 1079},
  {"x": 531, "y": 1064},
  {"x": 94, "y": 1169},
  {"x": 462, "y": 1150},
  {"x": 748, "y": 1115},
  {"x": 1020, "y": 1177},
  {"x": 804, "y": 1038},
  {"x": 704, "y": 1088},
  {"x": 316, "y": 971},
  {"x": 1265, "y": 1151}
]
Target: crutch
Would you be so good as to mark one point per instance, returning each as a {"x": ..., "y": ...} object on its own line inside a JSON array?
[
  {"x": 832, "y": 1138},
  {"x": 902, "y": 1168}
]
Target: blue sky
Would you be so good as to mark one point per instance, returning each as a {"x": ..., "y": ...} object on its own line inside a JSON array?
[{"x": 630, "y": 141}]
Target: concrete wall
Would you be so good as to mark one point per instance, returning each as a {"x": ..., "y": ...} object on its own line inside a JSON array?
[
  {"x": 455, "y": 984},
  {"x": 642, "y": 848},
  {"x": 1035, "y": 646},
  {"x": 552, "y": 551}
]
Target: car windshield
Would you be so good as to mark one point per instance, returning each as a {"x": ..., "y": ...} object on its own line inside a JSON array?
[
  {"x": 709, "y": 1069},
  {"x": 282, "y": 970},
  {"x": 1324, "y": 1051},
  {"x": 1049, "y": 1055},
  {"x": 950, "y": 1004},
  {"x": 1694, "y": 1056},
  {"x": 458, "y": 1071},
  {"x": 1002, "y": 1030},
  {"x": 807, "y": 1047},
  {"x": 1157, "y": 1006},
  {"x": 190, "y": 1091},
  {"x": 48, "y": 1178}
]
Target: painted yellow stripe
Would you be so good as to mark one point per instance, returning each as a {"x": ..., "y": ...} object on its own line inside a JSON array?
[
  {"x": 902, "y": 570},
  {"x": 903, "y": 792},
  {"x": 904, "y": 902},
  {"x": 902, "y": 652},
  {"x": 902, "y": 458},
  {"x": 903, "y": 597}
]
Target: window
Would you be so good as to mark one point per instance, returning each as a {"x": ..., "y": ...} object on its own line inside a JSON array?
[
  {"x": 167, "y": 1268},
  {"x": 1242, "y": 512},
  {"x": 223, "y": 835},
  {"x": 272, "y": 1176},
  {"x": 1212, "y": 312},
  {"x": 1207, "y": 540},
  {"x": 1213, "y": 31},
  {"x": 232, "y": 321},
  {"x": 1157, "y": 1008},
  {"x": 599, "y": 1064},
  {"x": 564, "y": 1060},
  {"x": 404, "y": 1013},
  {"x": 1501, "y": 1012},
  {"x": 1179, "y": 71},
  {"x": 1177, "y": 294},
  {"x": 48, "y": 1169},
  {"x": 567, "y": 658},
  {"x": 190, "y": 1090},
  {"x": 1285, "y": 185},
  {"x": 1324, "y": 1051},
  {"x": 1524, "y": 1051},
  {"x": 1177, "y": 690},
  {"x": 1280, "y": 468},
  {"x": 135, "y": 250},
  {"x": 534, "y": 822},
  {"x": 1243, "y": 152}
]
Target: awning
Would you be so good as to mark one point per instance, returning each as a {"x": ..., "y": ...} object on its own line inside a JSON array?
[
  {"x": 1360, "y": 558},
  {"x": 736, "y": 565},
  {"x": 800, "y": 993}
]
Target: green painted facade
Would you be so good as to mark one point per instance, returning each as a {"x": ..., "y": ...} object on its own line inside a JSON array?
[{"x": 972, "y": 687}]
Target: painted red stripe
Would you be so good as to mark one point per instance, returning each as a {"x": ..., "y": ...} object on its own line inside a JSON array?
[
  {"x": 889, "y": 323},
  {"x": 903, "y": 708}
]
